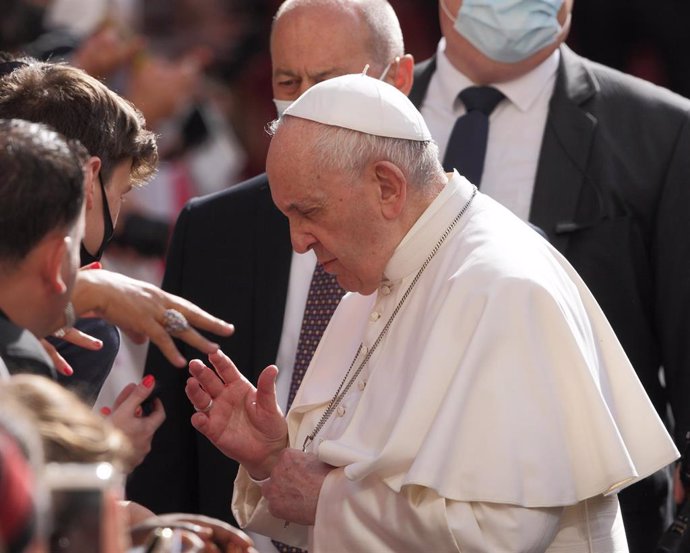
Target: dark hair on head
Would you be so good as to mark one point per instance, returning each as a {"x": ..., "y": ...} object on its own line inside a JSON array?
[
  {"x": 41, "y": 185},
  {"x": 83, "y": 108}
]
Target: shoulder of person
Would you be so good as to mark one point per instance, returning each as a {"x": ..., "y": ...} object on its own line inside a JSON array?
[
  {"x": 627, "y": 90},
  {"x": 237, "y": 196}
]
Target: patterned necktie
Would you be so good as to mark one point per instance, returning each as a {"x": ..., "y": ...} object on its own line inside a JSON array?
[
  {"x": 467, "y": 144},
  {"x": 322, "y": 299}
]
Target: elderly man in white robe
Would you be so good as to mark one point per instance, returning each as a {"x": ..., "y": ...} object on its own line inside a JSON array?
[{"x": 467, "y": 395}]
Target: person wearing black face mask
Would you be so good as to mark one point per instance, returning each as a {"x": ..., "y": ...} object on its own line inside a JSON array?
[
  {"x": 91, "y": 366},
  {"x": 71, "y": 101},
  {"x": 87, "y": 258}
]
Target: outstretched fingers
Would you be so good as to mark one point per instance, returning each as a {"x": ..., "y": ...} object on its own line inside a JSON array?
[
  {"x": 207, "y": 378},
  {"x": 196, "y": 393},
  {"x": 225, "y": 368}
]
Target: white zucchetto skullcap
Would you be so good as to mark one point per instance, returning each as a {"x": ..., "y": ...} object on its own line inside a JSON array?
[{"x": 361, "y": 103}]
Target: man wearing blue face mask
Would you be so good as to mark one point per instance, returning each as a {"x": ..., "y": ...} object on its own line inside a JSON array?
[{"x": 595, "y": 158}]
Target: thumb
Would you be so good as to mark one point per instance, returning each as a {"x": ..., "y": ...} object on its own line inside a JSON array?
[{"x": 266, "y": 389}]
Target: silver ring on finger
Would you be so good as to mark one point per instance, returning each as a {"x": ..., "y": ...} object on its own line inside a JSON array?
[
  {"x": 207, "y": 408},
  {"x": 174, "y": 321}
]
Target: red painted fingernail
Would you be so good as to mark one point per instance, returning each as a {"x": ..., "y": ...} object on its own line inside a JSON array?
[
  {"x": 105, "y": 411},
  {"x": 94, "y": 265},
  {"x": 148, "y": 381},
  {"x": 138, "y": 412}
]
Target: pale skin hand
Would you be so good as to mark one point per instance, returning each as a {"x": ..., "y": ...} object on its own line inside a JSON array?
[
  {"x": 293, "y": 490},
  {"x": 106, "y": 51},
  {"x": 245, "y": 422},
  {"x": 160, "y": 88},
  {"x": 76, "y": 337},
  {"x": 138, "y": 308},
  {"x": 127, "y": 416}
]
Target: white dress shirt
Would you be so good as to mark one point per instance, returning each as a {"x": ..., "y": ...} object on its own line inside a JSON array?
[{"x": 516, "y": 126}]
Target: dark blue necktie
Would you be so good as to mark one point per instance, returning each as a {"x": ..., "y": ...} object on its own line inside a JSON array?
[{"x": 467, "y": 143}]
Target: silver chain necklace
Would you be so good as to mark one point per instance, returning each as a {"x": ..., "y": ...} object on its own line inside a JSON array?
[{"x": 346, "y": 382}]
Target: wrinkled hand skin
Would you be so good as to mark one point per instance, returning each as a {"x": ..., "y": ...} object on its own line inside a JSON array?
[
  {"x": 293, "y": 490},
  {"x": 244, "y": 422}
]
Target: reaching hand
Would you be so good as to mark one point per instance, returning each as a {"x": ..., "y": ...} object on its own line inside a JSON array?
[
  {"x": 105, "y": 51},
  {"x": 138, "y": 308},
  {"x": 128, "y": 416},
  {"x": 76, "y": 337},
  {"x": 244, "y": 422}
]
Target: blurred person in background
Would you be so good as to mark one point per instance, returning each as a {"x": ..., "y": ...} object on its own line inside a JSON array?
[
  {"x": 71, "y": 433},
  {"x": 632, "y": 36}
]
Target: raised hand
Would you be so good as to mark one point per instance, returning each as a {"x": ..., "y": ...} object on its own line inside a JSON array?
[
  {"x": 127, "y": 415},
  {"x": 244, "y": 422}
]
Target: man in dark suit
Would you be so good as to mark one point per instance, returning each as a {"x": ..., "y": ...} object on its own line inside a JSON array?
[
  {"x": 603, "y": 167},
  {"x": 231, "y": 251}
]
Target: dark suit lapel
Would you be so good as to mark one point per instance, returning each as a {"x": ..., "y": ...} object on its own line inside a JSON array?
[
  {"x": 565, "y": 151},
  {"x": 273, "y": 256},
  {"x": 422, "y": 77}
]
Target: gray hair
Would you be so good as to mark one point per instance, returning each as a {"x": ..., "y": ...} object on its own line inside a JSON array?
[
  {"x": 385, "y": 35},
  {"x": 349, "y": 152}
]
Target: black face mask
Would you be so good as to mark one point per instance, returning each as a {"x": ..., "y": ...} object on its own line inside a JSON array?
[{"x": 87, "y": 257}]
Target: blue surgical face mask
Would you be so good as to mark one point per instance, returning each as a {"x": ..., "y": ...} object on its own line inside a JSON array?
[{"x": 508, "y": 30}]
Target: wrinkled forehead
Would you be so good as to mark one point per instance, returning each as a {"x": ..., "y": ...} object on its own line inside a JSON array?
[{"x": 320, "y": 39}]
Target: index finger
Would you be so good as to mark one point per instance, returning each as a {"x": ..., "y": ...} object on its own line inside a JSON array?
[
  {"x": 199, "y": 318},
  {"x": 165, "y": 343},
  {"x": 81, "y": 339},
  {"x": 224, "y": 366},
  {"x": 196, "y": 340}
]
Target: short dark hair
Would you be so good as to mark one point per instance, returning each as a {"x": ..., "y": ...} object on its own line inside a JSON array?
[
  {"x": 82, "y": 108},
  {"x": 41, "y": 185}
]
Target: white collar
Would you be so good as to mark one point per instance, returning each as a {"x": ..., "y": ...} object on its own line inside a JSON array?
[
  {"x": 522, "y": 92},
  {"x": 416, "y": 245}
]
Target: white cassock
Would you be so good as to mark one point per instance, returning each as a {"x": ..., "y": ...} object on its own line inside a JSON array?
[{"x": 499, "y": 412}]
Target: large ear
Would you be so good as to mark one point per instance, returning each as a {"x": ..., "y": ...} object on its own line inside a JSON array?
[
  {"x": 402, "y": 73},
  {"x": 392, "y": 188},
  {"x": 91, "y": 170},
  {"x": 56, "y": 253}
]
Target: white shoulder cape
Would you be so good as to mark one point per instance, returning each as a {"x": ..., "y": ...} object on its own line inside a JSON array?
[{"x": 500, "y": 380}]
